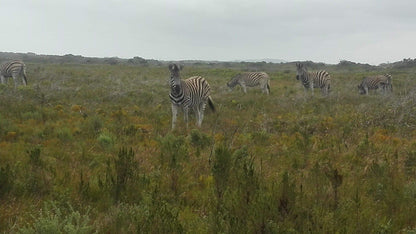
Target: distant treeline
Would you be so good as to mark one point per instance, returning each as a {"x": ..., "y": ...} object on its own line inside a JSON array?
[
  {"x": 76, "y": 59},
  {"x": 252, "y": 65}
]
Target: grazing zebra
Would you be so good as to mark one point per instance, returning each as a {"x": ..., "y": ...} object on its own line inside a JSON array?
[
  {"x": 13, "y": 69},
  {"x": 319, "y": 79},
  {"x": 251, "y": 79},
  {"x": 193, "y": 92},
  {"x": 374, "y": 82}
]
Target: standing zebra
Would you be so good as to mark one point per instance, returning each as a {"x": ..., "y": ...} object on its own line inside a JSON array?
[
  {"x": 13, "y": 69},
  {"x": 251, "y": 79},
  {"x": 318, "y": 79},
  {"x": 375, "y": 82},
  {"x": 193, "y": 92}
]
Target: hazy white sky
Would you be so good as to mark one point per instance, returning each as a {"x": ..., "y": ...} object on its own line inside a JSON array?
[{"x": 364, "y": 31}]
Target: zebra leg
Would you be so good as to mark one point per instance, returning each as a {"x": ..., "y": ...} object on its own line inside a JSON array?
[
  {"x": 244, "y": 88},
  {"x": 174, "y": 115},
  {"x": 324, "y": 90},
  {"x": 185, "y": 115},
  {"x": 2, "y": 79},
  {"x": 197, "y": 111},
  {"x": 201, "y": 114},
  {"x": 263, "y": 89},
  {"x": 305, "y": 91},
  {"x": 15, "y": 81}
]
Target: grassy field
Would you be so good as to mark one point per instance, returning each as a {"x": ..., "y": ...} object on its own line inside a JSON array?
[{"x": 88, "y": 148}]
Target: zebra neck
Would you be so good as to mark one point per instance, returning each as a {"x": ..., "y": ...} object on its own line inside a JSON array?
[
  {"x": 234, "y": 82},
  {"x": 305, "y": 77},
  {"x": 177, "y": 94},
  {"x": 306, "y": 80}
]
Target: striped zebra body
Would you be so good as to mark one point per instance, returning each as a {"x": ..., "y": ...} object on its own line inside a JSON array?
[
  {"x": 251, "y": 79},
  {"x": 310, "y": 80},
  {"x": 375, "y": 82},
  {"x": 13, "y": 69},
  {"x": 192, "y": 93}
]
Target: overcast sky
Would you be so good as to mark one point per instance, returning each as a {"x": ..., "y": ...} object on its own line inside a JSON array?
[{"x": 327, "y": 31}]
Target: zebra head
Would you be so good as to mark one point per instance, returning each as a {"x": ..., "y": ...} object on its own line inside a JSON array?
[
  {"x": 361, "y": 89},
  {"x": 300, "y": 71},
  {"x": 388, "y": 76},
  {"x": 175, "y": 78},
  {"x": 233, "y": 82},
  {"x": 389, "y": 85}
]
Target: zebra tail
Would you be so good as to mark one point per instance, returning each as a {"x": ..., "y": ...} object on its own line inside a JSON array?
[
  {"x": 211, "y": 104},
  {"x": 268, "y": 87}
]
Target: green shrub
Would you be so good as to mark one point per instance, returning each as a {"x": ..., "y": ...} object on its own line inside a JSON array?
[
  {"x": 152, "y": 215},
  {"x": 38, "y": 183},
  {"x": 7, "y": 177},
  {"x": 6, "y": 126},
  {"x": 199, "y": 140},
  {"x": 53, "y": 219},
  {"x": 173, "y": 154},
  {"x": 92, "y": 126},
  {"x": 32, "y": 115},
  {"x": 64, "y": 134},
  {"x": 173, "y": 150},
  {"x": 119, "y": 174},
  {"x": 221, "y": 170},
  {"x": 106, "y": 140}
]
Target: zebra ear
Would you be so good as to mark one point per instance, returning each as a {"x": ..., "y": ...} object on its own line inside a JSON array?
[{"x": 174, "y": 68}]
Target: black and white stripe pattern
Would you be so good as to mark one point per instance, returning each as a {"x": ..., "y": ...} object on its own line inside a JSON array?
[
  {"x": 251, "y": 79},
  {"x": 311, "y": 80},
  {"x": 375, "y": 82},
  {"x": 13, "y": 69},
  {"x": 192, "y": 93}
]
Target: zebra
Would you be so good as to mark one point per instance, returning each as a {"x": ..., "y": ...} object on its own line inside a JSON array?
[
  {"x": 13, "y": 69},
  {"x": 374, "y": 82},
  {"x": 320, "y": 79},
  {"x": 251, "y": 79},
  {"x": 192, "y": 93}
]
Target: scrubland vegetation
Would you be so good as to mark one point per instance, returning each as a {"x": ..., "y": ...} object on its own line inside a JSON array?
[{"x": 89, "y": 148}]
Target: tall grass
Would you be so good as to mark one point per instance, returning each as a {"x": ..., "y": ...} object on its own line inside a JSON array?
[{"x": 89, "y": 148}]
